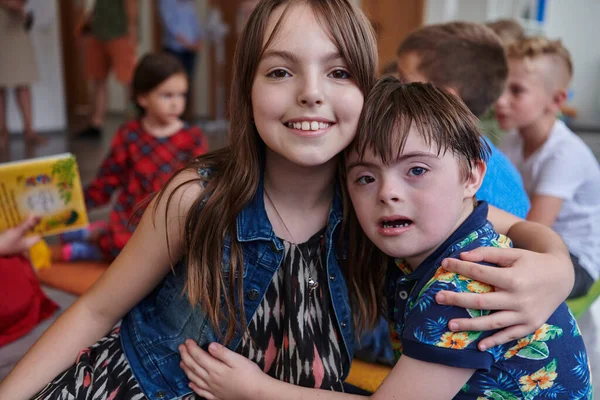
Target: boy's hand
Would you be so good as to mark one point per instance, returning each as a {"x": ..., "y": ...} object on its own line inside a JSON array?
[
  {"x": 526, "y": 294},
  {"x": 13, "y": 241},
  {"x": 220, "y": 373}
]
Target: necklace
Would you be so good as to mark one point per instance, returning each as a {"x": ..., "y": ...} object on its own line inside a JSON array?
[{"x": 312, "y": 283}]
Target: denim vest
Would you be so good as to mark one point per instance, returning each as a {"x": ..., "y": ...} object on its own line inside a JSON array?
[{"x": 152, "y": 330}]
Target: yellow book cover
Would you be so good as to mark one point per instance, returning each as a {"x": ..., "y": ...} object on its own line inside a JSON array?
[{"x": 49, "y": 187}]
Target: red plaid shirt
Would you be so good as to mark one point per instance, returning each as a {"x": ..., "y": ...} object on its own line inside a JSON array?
[{"x": 139, "y": 164}]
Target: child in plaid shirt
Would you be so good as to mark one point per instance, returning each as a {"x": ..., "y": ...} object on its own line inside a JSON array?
[{"x": 143, "y": 155}]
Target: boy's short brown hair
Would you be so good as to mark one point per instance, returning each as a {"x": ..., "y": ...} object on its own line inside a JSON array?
[
  {"x": 393, "y": 108},
  {"x": 509, "y": 30},
  {"x": 560, "y": 69},
  {"x": 466, "y": 56}
]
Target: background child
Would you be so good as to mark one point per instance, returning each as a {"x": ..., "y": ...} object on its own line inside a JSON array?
[
  {"x": 412, "y": 174},
  {"x": 143, "y": 155},
  {"x": 468, "y": 59},
  {"x": 509, "y": 31},
  {"x": 560, "y": 173}
]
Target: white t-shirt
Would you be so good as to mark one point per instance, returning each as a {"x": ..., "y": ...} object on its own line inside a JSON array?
[{"x": 565, "y": 167}]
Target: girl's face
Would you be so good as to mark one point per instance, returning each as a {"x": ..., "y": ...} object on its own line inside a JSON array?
[
  {"x": 305, "y": 103},
  {"x": 166, "y": 102}
]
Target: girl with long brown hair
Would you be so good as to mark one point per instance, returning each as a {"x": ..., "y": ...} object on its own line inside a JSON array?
[{"x": 245, "y": 246}]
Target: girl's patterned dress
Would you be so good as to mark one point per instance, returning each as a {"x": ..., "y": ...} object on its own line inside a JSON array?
[{"x": 293, "y": 336}]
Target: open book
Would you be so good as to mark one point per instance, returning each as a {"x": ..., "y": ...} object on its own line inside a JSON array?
[{"x": 49, "y": 187}]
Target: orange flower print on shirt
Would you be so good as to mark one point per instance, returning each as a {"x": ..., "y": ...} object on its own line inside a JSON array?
[
  {"x": 541, "y": 332},
  {"x": 442, "y": 275},
  {"x": 516, "y": 348},
  {"x": 479, "y": 287},
  {"x": 454, "y": 340},
  {"x": 542, "y": 379}
]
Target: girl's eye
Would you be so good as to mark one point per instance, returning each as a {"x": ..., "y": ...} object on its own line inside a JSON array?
[
  {"x": 516, "y": 90},
  {"x": 340, "y": 74},
  {"x": 365, "y": 179},
  {"x": 278, "y": 74},
  {"x": 416, "y": 171}
]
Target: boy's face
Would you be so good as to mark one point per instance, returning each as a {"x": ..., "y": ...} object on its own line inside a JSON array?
[
  {"x": 526, "y": 97},
  {"x": 408, "y": 68},
  {"x": 409, "y": 207}
]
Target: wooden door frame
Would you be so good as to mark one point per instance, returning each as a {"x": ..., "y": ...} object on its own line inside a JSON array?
[
  {"x": 75, "y": 85},
  {"x": 392, "y": 21}
]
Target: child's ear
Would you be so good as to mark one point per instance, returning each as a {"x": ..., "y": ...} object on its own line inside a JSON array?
[
  {"x": 475, "y": 178},
  {"x": 559, "y": 97},
  {"x": 142, "y": 100}
]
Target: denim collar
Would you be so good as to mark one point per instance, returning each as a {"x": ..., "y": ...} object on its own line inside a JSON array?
[{"x": 253, "y": 222}]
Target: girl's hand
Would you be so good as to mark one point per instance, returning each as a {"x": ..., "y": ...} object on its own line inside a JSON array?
[
  {"x": 527, "y": 293},
  {"x": 13, "y": 241},
  {"x": 220, "y": 373}
]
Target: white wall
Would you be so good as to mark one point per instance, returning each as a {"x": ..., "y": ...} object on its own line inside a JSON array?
[
  {"x": 48, "y": 101},
  {"x": 574, "y": 22},
  {"x": 577, "y": 24}
]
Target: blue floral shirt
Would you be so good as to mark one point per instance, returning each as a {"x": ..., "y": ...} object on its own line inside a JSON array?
[{"x": 550, "y": 363}]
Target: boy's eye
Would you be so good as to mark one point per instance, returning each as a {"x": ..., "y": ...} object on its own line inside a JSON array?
[
  {"x": 364, "y": 180},
  {"x": 416, "y": 171},
  {"x": 278, "y": 73},
  {"x": 340, "y": 74}
]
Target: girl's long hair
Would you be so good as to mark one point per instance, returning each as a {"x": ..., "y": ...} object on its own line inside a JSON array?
[{"x": 236, "y": 169}]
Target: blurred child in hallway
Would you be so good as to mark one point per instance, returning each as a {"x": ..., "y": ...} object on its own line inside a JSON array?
[
  {"x": 143, "y": 155},
  {"x": 560, "y": 173}
]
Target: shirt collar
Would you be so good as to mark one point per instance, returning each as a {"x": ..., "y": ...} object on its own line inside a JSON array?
[{"x": 476, "y": 220}]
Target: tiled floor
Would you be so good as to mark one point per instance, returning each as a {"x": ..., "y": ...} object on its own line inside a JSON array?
[{"x": 89, "y": 154}]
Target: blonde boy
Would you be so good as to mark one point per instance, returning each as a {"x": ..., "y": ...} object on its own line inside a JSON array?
[{"x": 560, "y": 173}]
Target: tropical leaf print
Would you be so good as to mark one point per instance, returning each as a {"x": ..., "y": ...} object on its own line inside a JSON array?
[
  {"x": 497, "y": 352},
  {"x": 465, "y": 242},
  {"x": 574, "y": 327},
  {"x": 431, "y": 331},
  {"x": 498, "y": 395},
  {"x": 501, "y": 241},
  {"x": 502, "y": 382},
  {"x": 582, "y": 394},
  {"x": 582, "y": 369},
  {"x": 426, "y": 299},
  {"x": 554, "y": 392},
  {"x": 533, "y": 347},
  {"x": 422, "y": 337}
]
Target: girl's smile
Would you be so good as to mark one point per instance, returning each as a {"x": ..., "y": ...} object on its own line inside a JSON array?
[{"x": 309, "y": 126}]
